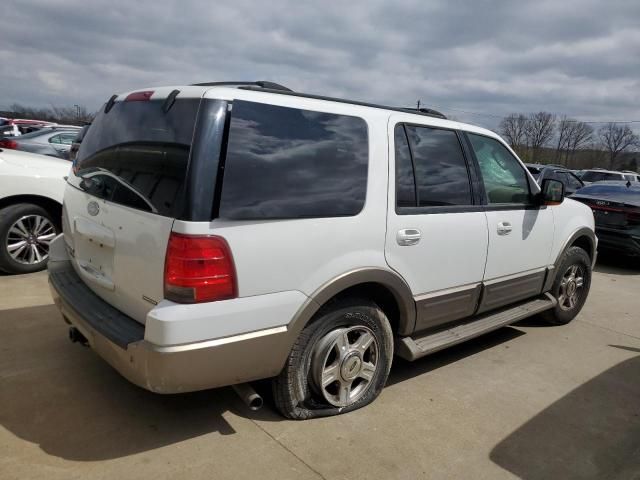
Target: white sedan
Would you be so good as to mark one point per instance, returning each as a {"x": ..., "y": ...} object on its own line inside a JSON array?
[{"x": 31, "y": 191}]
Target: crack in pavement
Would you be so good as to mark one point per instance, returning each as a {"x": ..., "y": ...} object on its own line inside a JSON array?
[{"x": 289, "y": 450}]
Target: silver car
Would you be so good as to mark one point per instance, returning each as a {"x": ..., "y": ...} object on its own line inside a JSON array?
[{"x": 54, "y": 141}]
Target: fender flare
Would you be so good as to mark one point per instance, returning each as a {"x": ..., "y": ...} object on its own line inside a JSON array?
[
  {"x": 387, "y": 278},
  {"x": 581, "y": 232}
]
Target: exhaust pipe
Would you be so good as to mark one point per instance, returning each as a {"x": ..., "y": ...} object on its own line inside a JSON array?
[
  {"x": 76, "y": 336},
  {"x": 249, "y": 396}
]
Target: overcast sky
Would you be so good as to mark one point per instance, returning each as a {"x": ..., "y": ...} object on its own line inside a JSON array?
[{"x": 576, "y": 57}]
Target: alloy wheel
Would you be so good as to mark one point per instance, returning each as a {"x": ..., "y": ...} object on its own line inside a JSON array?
[
  {"x": 29, "y": 238},
  {"x": 571, "y": 287},
  {"x": 344, "y": 364}
]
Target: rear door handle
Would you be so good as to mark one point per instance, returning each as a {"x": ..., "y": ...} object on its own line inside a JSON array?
[
  {"x": 504, "y": 228},
  {"x": 408, "y": 237}
]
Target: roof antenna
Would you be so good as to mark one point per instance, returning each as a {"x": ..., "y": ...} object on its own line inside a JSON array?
[{"x": 418, "y": 105}]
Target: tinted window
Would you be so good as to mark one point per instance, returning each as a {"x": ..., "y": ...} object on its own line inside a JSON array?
[
  {"x": 146, "y": 148},
  {"x": 405, "y": 184},
  {"x": 290, "y": 163},
  {"x": 504, "y": 178},
  {"x": 595, "y": 176},
  {"x": 54, "y": 139},
  {"x": 440, "y": 168}
]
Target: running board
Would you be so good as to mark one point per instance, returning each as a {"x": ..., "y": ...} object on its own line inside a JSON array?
[{"x": 412, "y": 348}]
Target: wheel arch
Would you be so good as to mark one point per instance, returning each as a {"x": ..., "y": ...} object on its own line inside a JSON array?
[
  {"x": 53, "y": 207},
  {"x": 385, "y": 288},
  {"x": 584, "y": 238}
]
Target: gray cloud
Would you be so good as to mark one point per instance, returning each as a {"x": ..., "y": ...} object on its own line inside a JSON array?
[{"x": 577, "y": 57}]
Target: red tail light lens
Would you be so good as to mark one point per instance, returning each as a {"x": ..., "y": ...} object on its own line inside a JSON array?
[
  {"x": 6, "y": 143},
  {"x": 139, "y": 96},
  {"x": 199, "y": 269}
]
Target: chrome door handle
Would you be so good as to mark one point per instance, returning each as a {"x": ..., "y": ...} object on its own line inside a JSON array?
[
  {"x": 408, "y": 237},
  {"x": 504, "y": 228}
]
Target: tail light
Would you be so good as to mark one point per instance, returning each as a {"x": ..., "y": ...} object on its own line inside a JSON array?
[
  {"x": 199, "y": 269},
  {"x": 6, "y": 143},
  {"x": 633, "y": 216}
]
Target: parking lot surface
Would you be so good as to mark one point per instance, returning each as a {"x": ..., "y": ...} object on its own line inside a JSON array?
[{"x": 527, "y": 401}]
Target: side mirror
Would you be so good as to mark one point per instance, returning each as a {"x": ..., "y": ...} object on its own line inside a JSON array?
[{"x": 552, "y": 192}]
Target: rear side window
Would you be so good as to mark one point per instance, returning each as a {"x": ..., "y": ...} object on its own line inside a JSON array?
[
  {"x": 290, "y": 163},
  {"x": 439, "y": 168},
  {"x": 137, "y": 154},
  {"x": 405, "y": 180}
]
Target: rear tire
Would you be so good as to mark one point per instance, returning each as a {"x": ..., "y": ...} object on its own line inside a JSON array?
[
  {"x": 570, "y": 287},
  {"x": 26, "y": 230},
  {"x": 339, "y": 363}
]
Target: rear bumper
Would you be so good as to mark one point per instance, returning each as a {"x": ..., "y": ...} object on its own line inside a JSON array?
[
  {"x": 617, "y": 240},
  {"x": 120, "y": 341}
]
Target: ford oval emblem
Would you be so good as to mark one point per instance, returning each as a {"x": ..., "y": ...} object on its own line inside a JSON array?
[{"x": 93, "y": 208}]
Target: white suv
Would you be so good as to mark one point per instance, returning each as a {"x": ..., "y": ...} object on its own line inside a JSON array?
[{"x": 218, "y": 234}]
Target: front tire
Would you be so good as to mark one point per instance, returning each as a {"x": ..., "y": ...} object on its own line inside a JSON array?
[
  {"x": 571, "y": 286},
  {"x": 26, "y": 230},
  {"x": 339, "y": 363}
]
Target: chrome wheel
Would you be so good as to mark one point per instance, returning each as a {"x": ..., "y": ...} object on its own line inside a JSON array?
[
  {"x": 29, "y": 238},
  {"x": 571, "y": 287},
  {"x": 344, "y": 363}
]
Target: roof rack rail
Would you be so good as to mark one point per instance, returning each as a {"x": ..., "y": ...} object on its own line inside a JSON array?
[
  {"x": 261, "y": 83},
  {"x": 427, "y": 111},
  {"x": 423, "y": 111}
]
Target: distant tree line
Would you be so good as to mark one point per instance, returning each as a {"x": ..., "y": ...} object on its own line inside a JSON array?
[
  {"x": 74, "y": 115},
  {"x": 545, "y": 138}
]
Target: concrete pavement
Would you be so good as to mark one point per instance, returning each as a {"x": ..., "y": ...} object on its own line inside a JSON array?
[{"x": 528, "y": 401}]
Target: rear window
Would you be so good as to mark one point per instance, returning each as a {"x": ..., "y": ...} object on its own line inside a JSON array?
[
  {"x": 137, "y": 155},
  {"x": 291, "y": 163},
  {"x": 599, "y": 176}
]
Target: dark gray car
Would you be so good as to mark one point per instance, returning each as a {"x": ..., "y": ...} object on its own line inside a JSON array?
[{"x": 55, "y": 141}]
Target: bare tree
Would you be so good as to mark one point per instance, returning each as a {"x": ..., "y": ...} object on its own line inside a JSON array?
[
  {"x": 539, "y": 131},
  {"x": 513, "y": 128},
  {"x": 564, "y": 127},
  {"x": 617, "y": 138},
  {"x": 65, "y": 115},
  {"x": 579, "y": 136}
]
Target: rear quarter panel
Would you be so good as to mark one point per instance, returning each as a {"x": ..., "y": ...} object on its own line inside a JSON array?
[{"x": 303, "y": 254}]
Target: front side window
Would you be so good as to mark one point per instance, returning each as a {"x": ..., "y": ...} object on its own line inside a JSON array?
[
  {"x": 55, "y": 139},
  {"x": 504, "y": 178},
  {"x": 290, "y": 163}
]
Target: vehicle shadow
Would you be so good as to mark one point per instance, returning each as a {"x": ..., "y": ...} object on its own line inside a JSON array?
[
  {"x": 609, "y": 262},
  {"x": 72, "y": 404},
  {"x": 403, "y": 370},
  {"x": 591, "y": 433}
]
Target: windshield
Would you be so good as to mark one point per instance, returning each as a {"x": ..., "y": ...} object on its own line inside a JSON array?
[
  {"x": 594, "y": 176},
  {"x": 144, "y": 146}
]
